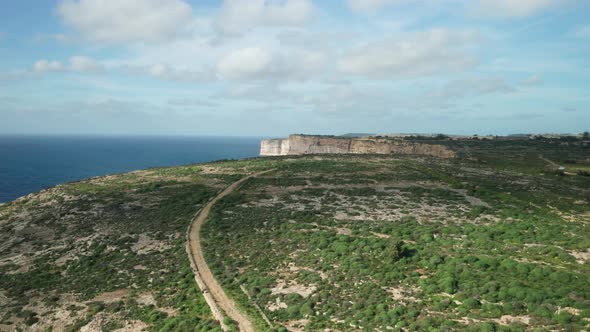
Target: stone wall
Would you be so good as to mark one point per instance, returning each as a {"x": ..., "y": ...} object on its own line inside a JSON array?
[{"x": 306, "y": 144}]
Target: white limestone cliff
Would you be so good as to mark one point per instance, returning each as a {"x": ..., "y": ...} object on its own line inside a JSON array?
[{"x": 308, "y": 144}]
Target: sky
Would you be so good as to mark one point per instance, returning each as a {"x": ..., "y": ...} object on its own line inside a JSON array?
[{"x": 275, "y": 67}]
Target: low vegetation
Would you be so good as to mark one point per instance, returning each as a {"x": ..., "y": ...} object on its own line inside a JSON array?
[{"x": 494, "y": 240}]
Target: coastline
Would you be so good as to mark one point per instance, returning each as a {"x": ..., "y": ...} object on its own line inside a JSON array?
[{"x": 34, "y": 163}]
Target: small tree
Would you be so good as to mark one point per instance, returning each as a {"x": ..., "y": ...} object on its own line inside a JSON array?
[{"x": 586, "y": 135}]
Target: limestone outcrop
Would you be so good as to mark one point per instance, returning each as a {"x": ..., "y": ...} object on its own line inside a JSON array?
[{"x": 308, "y": 144}]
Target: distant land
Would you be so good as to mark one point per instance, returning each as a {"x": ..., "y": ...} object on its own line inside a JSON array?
[{"x": 405, "y": 144}]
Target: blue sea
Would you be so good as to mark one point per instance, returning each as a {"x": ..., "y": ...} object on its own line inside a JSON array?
[{"x": 31, "y": 163}]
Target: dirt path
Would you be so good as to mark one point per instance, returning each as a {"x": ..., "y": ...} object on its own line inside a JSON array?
[
  {"x": 552, "y": 164},
  {"x": 216, "y": 298}
]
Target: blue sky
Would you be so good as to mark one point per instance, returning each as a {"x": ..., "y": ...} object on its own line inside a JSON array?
[{"x": 274, "y": 67}]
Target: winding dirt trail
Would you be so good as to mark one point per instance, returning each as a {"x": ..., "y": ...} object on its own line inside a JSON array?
[
  {"x": 551, "y": 163},
  {"x": 216, "y": 298}
]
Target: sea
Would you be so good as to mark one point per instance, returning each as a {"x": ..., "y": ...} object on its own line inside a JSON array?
[{"x": 32, "y": 163}]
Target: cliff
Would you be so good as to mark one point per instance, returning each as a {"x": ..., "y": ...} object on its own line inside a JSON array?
[{"x": 305, "y": 144}]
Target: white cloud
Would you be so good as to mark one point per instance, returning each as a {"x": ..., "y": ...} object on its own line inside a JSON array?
[
  {"x": 514, "y": 8},
  {"x": 370, "y": 5},
  {"x": 168, "y": 73},
  {"x": 254, "y": 63},
  {"x": 239, "y": 15},
  {"x": 472, "y": 87},
  {"x": 43, "y": 66},
  {"x": 381, "y": 100},
  {"x": 80, "y": 64},
  {"x": 533, "y": 80},
  {"x": 159, "y": 70},
  {"x": 418, "y": 54},
  {"x": 84, "y": 64},
  {"x": 245, "y": 63},
  {"x": 14, "y": 75},
  {"x": 126, "y": 21},
  {"x": 348, "y": 100},
  {"x": 60, "y": 37},
  {"x": 186, "y": 102}
]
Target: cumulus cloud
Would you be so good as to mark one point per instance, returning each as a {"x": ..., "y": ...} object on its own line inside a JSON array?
[
  {"x": 378, "y": 100},
  {"x": 255, "y": 63},
  {"x": 472, "y": 87},
  {"x": 84, "y": 64},
  {"x": 14, "y": 75},
  {"x": 533, "y": 80},
  {"x": 44, "y": 66},
  {"x": 126, "y": 21},
  {"x": 370, "y": 5},
  {"x": 349, "y": 100},
  {"x": 80, "y": 64},
  {"x": 245, "y": 63},
  {"x": 514, "y": 8},
  {"x": 168, "y": 73},
  {"x": 418, "y": 54},
  {"x": 185, "y": 102},
  {"x": 238, "y": 15},
  {"x": 159, "y": 70}
]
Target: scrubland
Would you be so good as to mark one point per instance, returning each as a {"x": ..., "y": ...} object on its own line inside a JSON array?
[{"x": 496, "y": 239}]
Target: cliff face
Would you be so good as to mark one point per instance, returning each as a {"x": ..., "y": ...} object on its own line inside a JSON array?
[
  {"x": 274, "y": 147},
  {"x": 303, "y": 144}
]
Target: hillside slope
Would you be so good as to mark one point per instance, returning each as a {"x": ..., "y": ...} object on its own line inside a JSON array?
[{"x": 496, "y": 239}]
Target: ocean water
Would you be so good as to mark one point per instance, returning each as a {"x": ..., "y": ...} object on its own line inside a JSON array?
[{"x": 31, "y": 163}]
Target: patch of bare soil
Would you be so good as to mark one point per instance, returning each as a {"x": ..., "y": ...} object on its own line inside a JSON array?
[
  {"x": 274, "y": 306},
  {"x": 402, "y": 293},
  {"x": 393, "y": 206},
  {"x": 295, "y": 268},
  {"x": 471, "y": 199},
  {"x": 114, "y": 296},
  {"x": 570, "y": 310},
  {"x": 207, "y": 169},
  {"x": 582, "y": 257},
  {"x": 63, "y": 260},
  {"x": 146, "y": 245},
  {"x": 3, "y": 299},
  {"x": 146, "y": 299},
  {"x": 133, "y": 326},
  {"x": 296, "y": 325},
  {"x": 56, "y": 314},
  {"x": 169, "y": 311},
  {"x": 468, "y": 320},
  {"x": 97, "y": 323},
  {"x": 509, "y": 319},
  {"x": 283, "y": 287}
]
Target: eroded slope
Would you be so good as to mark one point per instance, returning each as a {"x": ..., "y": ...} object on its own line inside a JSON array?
[{"x": 108, "y": 253}]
